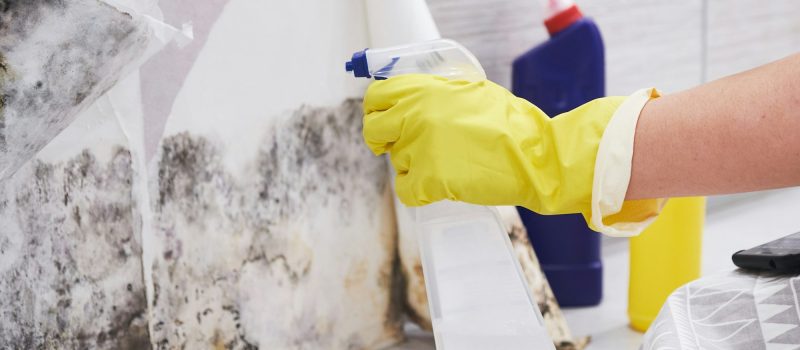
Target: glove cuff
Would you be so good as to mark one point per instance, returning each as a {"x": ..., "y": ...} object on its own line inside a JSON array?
[{"x": 610, "y": 213}]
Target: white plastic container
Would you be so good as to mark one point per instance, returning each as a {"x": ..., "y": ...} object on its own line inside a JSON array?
[
  {"x": 441, "y": 57},
  {"x": 477, "y": 294}
]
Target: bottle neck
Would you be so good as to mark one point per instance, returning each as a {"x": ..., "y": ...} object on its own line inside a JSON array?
[{"x": 563, "y": 19}]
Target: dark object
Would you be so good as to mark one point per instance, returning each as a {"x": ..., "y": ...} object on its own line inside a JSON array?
[
  {"x": 569, "y": 253},
  {"x": 780, "y": 255},
  {"x": 358, "y": 64},
  {"x": 563, "y": 73}
]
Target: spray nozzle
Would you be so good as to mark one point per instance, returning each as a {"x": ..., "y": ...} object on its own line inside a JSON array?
[{"x": 358, "y": 64}]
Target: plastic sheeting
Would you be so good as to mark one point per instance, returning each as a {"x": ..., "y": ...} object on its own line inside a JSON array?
[{"x": 57, "y": 58}]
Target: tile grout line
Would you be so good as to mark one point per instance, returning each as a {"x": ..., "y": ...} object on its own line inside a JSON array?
[{"x": 704, "y": 42}]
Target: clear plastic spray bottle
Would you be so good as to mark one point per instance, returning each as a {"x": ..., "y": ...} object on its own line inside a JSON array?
[{"x": 477, "y": 294}]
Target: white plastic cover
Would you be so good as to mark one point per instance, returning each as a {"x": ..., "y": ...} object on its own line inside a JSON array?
[
  {"x": 56, "y": 58},
  {"x": 478, "y": 296}
]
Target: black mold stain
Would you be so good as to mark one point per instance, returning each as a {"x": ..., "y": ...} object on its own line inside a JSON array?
[
  {"x": 192, "y": 162},
  {"x": 395, "y": 282},
  {"x": 3, "y": 78},
  {"x": 64, "y": 283},
  {"x": 19, "y": 16},
  {"x": 314, "y": 158}
]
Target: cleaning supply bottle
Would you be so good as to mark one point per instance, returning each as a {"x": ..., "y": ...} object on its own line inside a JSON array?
[
  {"x": 477, "y": 295},
  {"x": 664, "y": 257},
  {"x": 559, "y": 75}
]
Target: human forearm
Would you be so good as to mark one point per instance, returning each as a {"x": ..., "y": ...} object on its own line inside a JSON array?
[{"x": 737, "y": 134}]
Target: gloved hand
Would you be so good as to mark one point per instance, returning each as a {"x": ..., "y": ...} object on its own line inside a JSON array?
[{"x": 476, "y": 142}]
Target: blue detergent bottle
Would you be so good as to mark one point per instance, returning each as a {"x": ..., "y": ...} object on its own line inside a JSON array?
[{"x": 559, "y": 75}]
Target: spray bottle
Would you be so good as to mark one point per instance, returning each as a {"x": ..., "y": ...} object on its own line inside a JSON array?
[
  {"x": 478, "y": 297},
  {"x": 559, "y": 75}
]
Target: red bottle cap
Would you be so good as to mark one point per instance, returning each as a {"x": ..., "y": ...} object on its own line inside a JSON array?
[{"x": 563, "y": 19}]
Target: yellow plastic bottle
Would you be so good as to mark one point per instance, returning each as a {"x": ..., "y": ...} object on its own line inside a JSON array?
[{"x": 664, "y": 257}]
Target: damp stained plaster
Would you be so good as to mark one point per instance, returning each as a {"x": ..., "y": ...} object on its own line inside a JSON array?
[
  {"x": 272, "y": 223},
  {"x": 239, "y": 265},
  {"x": 295, "y": 251},
  {"x": 70, "y": 257}
]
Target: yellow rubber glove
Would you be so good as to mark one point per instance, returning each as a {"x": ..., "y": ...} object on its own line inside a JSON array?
[{"x": 476, "y": 142}]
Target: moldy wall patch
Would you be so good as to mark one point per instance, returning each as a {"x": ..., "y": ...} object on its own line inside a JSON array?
[
  {"x": 294, "y": 249},
  {"x": 70, "y": 265}
]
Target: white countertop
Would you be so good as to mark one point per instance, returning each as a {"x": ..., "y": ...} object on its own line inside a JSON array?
[{"x": 732, "y": 223}]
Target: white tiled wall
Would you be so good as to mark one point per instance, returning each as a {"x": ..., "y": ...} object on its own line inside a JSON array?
[
  {"x": 649, "y": 43},
  {"x": 671, "y": 45},
  {"x": 746, "y": 33}
]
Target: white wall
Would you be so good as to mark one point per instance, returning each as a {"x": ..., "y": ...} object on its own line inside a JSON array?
[{"x": 671, "y": 45}]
